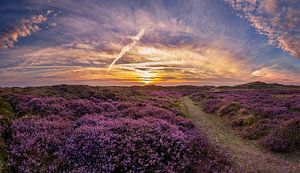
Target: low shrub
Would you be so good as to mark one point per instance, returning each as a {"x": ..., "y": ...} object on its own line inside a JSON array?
[
  {"x": 212, "y": 106},
  {"x": 245, "y": 120},
  {"x": 43, "y": 106},
  {"x": 35, "y": 143},
  {"x": 144, "y": 145},
  {"x": 284, "y": 138},
  {"x": 259, "y": 129},
  {"x": 230, "y": 109}
]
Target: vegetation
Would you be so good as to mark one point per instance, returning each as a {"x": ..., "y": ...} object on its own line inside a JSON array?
[
  {"x": 268, "y": 115},
  {"x": 67, "y": 128},
  {"x": 138, "y": 129}
]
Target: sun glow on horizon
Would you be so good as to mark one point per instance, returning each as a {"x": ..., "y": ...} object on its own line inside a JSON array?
[
  {"x": 138, "y": 43},
  {"x": 148, "y": 77}
]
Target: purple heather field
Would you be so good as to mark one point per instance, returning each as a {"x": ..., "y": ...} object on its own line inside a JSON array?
[
  {"x": 149, "y": 86},
  {"x": 68, "y": 128}
]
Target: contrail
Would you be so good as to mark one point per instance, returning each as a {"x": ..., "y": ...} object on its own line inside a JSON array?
[{"x": 128, "y": 47}]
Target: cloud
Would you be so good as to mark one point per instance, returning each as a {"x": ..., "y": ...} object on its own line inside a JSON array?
[
  {"x": 276, "y": 74},
  {"x": 191, "y": 42},
  {"x": 53, "y": 24},
  {"x": 49, "y": 12},
  {"x": 80, "y": 54},
  {"x": 187, "y": 63},
  {"x": 278, "y": 19},
  {"x": 25, "y": 28},
  {"x": 128, "y": 47}
]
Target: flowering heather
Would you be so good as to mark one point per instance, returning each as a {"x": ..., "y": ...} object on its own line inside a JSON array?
[
  {"x": 256, "y": 112},
  {"x": 146, "y": 144},
  {"x": 264, "y": 103},
  {"x": 166, "y": 94},
  {"x": 211, "y": 106},
  {"x": 92, "y": 135},
  {"x": 35, "y": 143},
  {"x": 25, "y": 104},
  {"x": 285, "y": 137}
]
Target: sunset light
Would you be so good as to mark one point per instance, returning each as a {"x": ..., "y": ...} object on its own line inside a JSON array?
[
  {"x": 133, "y": 42},
  {"x": 148, "y": 77},
  {"x": 150, "y": 86}
]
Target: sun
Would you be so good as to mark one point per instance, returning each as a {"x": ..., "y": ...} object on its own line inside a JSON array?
[{"x": 147, "y": 77}]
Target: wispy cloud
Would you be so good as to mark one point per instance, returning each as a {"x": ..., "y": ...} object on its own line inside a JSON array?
[
  {"x": 190, "y": 42},
  {"x": 273, "y": 73},
  {"x": 277, "y": 19},
  {"x": 128, "y": 47},
  {"x": 24, "y": 28}
]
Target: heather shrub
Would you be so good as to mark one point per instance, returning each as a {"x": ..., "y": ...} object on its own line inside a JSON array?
[
  {"x": 166, "y": 94},
  {"x": 4, "y": 126},
  {"x": 212, "y": 106},
  {"x": 43, "y": 106},
  {"x": 245, "y": 120},
  {"x": 72, "y": 92},
  {"x": 141, "y": 110},
  {"x": 257, "y": 113},
  {"x": 265, "y": 112},
  {"x": 3, "y": 146},
  {"x": 147, "y": 144},
  {"x": 80, "y": 107},
  {"x": 35, "y": 143},
  {"x": 259, "y": 129},
  {"x": 229, "y": 109},
  {"x": 197, "y": 97},
  {"x": 284, "y": 138},
  {"x": 296, "y": 107},
  {"x": 95, "y": 143},
  {"x": 6, "y": 109},
  {"x": 27, "y": 104},
  {"x": 6, "y": 115}
]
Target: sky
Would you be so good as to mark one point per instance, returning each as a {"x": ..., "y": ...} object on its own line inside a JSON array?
[{"x": 143, "y": 42}]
